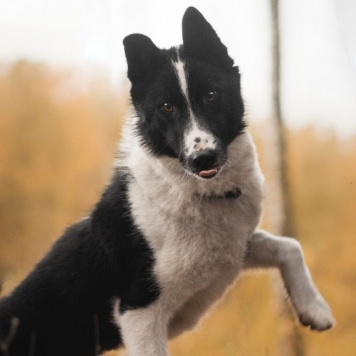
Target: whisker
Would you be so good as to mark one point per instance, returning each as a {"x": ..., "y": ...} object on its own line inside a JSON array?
[
  {"x": 32, "y": 344},
  {"x": 5, "y": 345}
]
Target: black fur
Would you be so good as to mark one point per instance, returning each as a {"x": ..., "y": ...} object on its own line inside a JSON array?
[{"x": 65, "y": 306}]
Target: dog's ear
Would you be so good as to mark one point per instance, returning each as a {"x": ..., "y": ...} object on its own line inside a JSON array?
[
  {"x": 142, "y": 56},
  {"x": 200, "y": 40}
]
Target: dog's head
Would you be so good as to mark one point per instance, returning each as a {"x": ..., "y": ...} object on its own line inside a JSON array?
[{"x": 187, "y": 98}]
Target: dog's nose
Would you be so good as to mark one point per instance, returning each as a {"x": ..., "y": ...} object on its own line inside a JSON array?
[{"x": 203, "y": 160}]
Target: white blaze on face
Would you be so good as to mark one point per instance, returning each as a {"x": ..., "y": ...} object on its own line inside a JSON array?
[
  {"x": 182, "y": 79},
  {"x": 196, "y": 138}
]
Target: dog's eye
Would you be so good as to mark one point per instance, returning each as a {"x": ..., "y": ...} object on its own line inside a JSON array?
[
  {"x": 211, "y": 95},
  {"x": 168, "y": 107}
]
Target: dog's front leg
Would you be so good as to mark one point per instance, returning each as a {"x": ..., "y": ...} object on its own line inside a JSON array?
[
  {"x": 144, "y": 331},
  {"x": 266, "y": 250}
]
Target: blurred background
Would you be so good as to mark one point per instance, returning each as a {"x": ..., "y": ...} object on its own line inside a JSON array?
[{"x": 63, "y": 98}]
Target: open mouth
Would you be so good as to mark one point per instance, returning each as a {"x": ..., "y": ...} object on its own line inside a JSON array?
[{"x": 210, "y": 173}]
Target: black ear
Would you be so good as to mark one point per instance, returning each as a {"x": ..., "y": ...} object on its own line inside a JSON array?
[
  {"x": 200, "y": 40},
  {"x": 142, "y": 55}
]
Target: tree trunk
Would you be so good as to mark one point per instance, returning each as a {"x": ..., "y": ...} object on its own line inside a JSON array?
[{"x": 290, "y": 341}]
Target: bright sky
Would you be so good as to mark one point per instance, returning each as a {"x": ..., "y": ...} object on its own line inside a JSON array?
[{"x": 318, "y": 46}]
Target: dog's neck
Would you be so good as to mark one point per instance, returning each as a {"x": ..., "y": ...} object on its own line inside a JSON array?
[{"x": 230, "y": 194}]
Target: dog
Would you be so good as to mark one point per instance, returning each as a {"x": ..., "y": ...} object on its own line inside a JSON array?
[{"x": 175, "y": 226}]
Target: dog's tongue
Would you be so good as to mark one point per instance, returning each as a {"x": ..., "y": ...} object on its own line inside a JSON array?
[{"x": 208, "y": 173}]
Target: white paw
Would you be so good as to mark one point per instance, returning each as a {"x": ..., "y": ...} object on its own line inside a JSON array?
[{"x": 317, "y": 315}]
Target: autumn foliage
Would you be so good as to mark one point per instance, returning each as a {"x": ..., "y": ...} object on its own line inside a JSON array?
[{"x": 57, "y": 144}]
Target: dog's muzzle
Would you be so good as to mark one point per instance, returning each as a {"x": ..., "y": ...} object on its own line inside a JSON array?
[{"x": 204, "y": 163}]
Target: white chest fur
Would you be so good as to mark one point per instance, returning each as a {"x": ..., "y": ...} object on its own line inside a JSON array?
[{"x": 195, "y": 240}]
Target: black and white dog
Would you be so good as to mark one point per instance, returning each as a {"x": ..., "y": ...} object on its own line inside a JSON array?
[{"x": 174, "y": 227}]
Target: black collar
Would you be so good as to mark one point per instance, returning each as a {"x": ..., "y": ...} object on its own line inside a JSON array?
[{"x": 231, "y": 194}]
